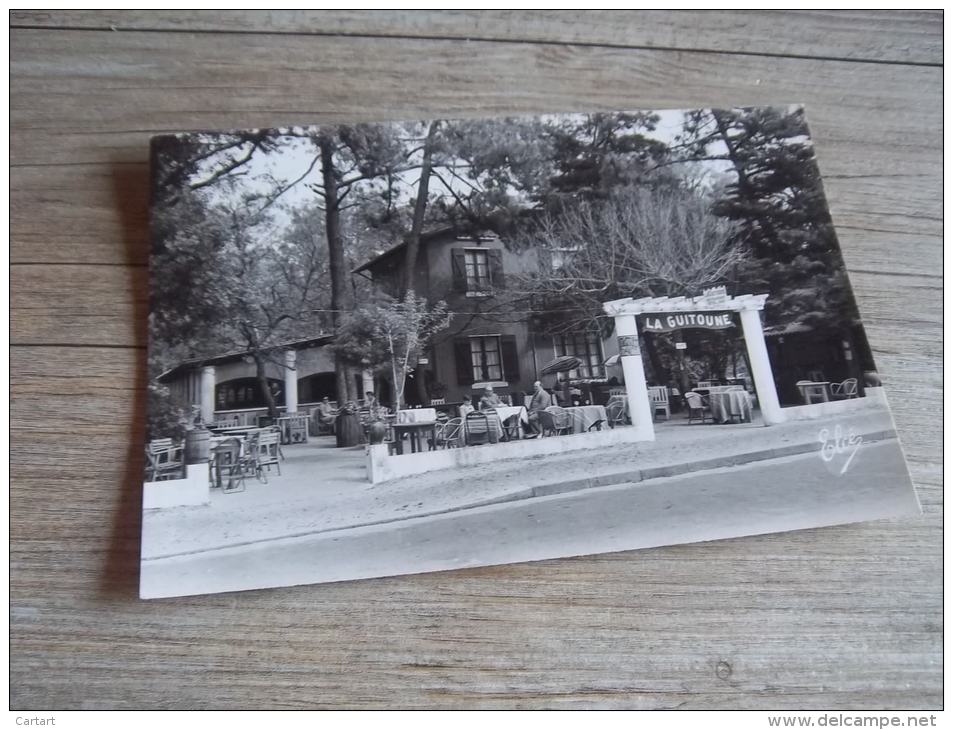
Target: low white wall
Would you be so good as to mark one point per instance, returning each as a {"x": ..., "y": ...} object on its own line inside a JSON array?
[
  {"x": 875, "y": 398},
  {"x": 382, "y": 467},
  {"x": 191, "y": 491}
]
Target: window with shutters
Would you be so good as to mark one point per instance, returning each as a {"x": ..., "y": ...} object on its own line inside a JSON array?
[
  {"x": 477, "y": 263},
  {"x": 485, "y": 359},
  {"x": 587, "y": 346}
]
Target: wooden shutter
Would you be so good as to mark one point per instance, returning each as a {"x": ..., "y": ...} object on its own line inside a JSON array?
[
  {"x": 464, "y": 361},
  {"x": 510, "y": 358},
  {"x": 459, "y": 268},
  {"x": 495, "y": 260}
]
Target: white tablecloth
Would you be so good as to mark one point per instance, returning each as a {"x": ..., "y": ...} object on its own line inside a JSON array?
[
  {"x": 729, "y": 404},
  {"x": 506, "y": 412},
  {"x": 584, "y": 416},
  {"x": 416, "y": 415}
]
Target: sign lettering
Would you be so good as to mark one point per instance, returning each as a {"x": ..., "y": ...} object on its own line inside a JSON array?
[{"x": 688, "y": 320}]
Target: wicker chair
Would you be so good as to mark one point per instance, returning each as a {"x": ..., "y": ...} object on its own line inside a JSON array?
[
  {"x": 448, "y": 434},
  {"x": 845, "y": 389},
  {"x": 698, "y": 408},
  {"x": 615, "y": 413}
]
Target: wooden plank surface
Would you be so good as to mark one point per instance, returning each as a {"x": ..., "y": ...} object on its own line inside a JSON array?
[
  {"x": 845, "y": 617},
  {"x": 867, "y": 35}
]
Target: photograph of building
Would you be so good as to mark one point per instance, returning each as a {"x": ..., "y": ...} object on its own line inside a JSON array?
[{"x": 368, "y": 339}]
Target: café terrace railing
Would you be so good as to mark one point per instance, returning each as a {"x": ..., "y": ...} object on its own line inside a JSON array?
[{"x": 249, "y": 416}]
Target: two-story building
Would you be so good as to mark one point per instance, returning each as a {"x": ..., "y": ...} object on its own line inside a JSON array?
[{"x": 490, "y": 340}]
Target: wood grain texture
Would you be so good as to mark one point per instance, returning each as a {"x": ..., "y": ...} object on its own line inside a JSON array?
[
  {"x": 884, "y": 36},
  {"x": 846, "y": 617}
]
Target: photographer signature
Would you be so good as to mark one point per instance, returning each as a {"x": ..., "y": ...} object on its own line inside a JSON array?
[{"x": 839, "y": 442}]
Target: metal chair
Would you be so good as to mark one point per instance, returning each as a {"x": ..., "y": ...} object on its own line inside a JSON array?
[
  {"x": 265, "y": 450},
  {"x": 845, "y": 389},
  {"x": 477, "y": 428},
  {"x": 698, "y": 408},
  {"x": 231, "y": 466}
]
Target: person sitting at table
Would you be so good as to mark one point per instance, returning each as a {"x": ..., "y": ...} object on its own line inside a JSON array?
[
  {"x": 466, "y": 407},
  {"x": 370, "y": 402},
  {"x": 489, "y": 399},
  {"x": 540, "y": 401},
  {"x": 326, "y": 414}
]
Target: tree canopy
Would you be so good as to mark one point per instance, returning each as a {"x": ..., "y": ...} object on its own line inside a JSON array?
[{"x": 256, "y": 233}]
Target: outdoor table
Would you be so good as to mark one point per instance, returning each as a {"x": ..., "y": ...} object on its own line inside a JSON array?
[
  {"x": 415, "y": 429},
  {"x": 234, "y": 431},
  {"x": 507, "y": 412},
  {"x": 814, "y": 389},
  {"x": 584, "y": 416},
  {"x": 729, "y": 404},
  {"x": 417, "y": 415}
]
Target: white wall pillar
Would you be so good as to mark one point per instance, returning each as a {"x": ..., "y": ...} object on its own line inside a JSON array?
[
  {"x": 291, "y": 382},
  {"x": 207, "y": 395},
  {"x": 761, "y": 367},
  {"x": 630, "y": 353}
]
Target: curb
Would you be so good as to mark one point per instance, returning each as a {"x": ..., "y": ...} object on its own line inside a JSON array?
[
  {"x": 659, "y": 472},
  {"x": 575, "y": 485}
]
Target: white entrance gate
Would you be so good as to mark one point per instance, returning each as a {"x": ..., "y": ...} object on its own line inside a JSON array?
[{"x": 749, "y": 308}]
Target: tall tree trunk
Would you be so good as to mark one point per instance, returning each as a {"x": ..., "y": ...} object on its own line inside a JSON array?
[
  {"x": 263, "y": 384},
  {"x": 336, "y": 259},
  {"x": 420, "y": 209}
]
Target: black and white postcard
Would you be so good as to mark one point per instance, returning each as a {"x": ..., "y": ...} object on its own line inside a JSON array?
[{"x": 389, "y": 348}]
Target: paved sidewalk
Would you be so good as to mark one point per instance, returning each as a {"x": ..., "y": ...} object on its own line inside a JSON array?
[{"x": 323, "y": 488}]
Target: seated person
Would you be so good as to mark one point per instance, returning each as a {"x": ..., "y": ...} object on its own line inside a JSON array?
[
  {"x": 489, "y": 399},
  {"x": 326, "y": 414},
  {"x": 466, "y": 407}
]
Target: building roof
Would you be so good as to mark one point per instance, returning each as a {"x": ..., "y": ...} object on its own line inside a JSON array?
[
  {"x": 425, "y": 237},
  {"x": 185, "y": 365}
]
